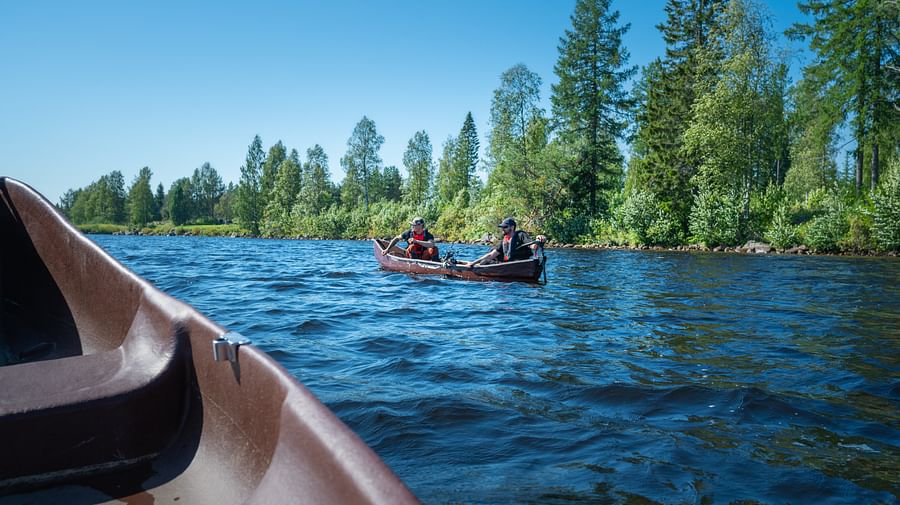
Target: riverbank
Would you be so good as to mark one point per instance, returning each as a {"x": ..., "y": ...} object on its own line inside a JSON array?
[{"x": 235, "y": 231}]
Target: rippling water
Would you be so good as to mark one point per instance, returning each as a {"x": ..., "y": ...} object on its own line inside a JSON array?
[{"x": 632, "y": 377}]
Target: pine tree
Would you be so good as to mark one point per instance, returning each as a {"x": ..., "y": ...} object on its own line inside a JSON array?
[{"x": 589, "y": 102}]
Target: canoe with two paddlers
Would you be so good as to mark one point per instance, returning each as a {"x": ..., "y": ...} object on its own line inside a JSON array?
[{"x": 527, "y": 270}]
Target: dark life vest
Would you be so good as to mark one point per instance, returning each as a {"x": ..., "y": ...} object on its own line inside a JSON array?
[{"x": 511, "y": 242}]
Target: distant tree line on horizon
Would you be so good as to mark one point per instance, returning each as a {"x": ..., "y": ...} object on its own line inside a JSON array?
[{"x": 723, "y": 148}]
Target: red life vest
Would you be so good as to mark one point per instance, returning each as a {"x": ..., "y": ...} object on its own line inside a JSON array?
[
  {"x": 506, "y": 248},
  {"x": 416, "y": 248}
]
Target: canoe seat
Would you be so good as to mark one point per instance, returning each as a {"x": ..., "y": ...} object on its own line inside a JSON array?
[{"x": 94, "y": 413}]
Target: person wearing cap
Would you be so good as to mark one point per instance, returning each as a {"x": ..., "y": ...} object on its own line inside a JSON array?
[
  {"x": 510, "y": 248},
  {"x": 420, "y": 242}
]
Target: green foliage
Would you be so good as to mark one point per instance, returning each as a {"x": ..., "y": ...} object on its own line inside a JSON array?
[
  {"x": 207, "y": 188},
  {"x": 711, "y": 147},
  {"x": 886, "y": 211},
  {"x": 666, "y": 93},
  {"x": 854, "y": 70},
  {"x": 716, "y": 216},
  {"x": 456, "y": 167},
  {"x": 316, "y": 193},
  {"x": 418, "y": 163},
  {"x": 179, "y": 202},
  {"x": 102, "y": 228},
  {"x": 453, "y": 221},
  {"x": 825, "y": 232},
  {"x": 249, "y": 200},
  {"x": 514, "y": 107},
  {"x": 763, "y": 207},
  {"x": 361, "y": 164},
  {"x": 140, "y": 199},
  {"x": 103, "y": 201},
  {"x": 277, "y": 221},
  {"x": 386, "y": 218},
  {"x": 644, "y": 217},
  {"x": 782, "y": 233},
  {"x": 859, "y": 229},
  {"x": 269, "y": 171},
  {"x": 329, "y": 223}
]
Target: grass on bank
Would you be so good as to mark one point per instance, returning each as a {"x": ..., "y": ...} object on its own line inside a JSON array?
[{"x": 167, "y": 228}]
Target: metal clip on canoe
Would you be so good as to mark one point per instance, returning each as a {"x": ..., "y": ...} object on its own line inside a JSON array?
[{"x": 225, "y": 347}]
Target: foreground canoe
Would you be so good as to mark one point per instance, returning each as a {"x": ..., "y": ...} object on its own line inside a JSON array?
[
  {"x": 111, "y": 390},
  {"x": 396, "y": 261}
]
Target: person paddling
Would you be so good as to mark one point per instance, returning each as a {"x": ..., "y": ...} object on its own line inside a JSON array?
[
  {"x": 510, "y": 248},
  {"x": 420, "y": 242}
]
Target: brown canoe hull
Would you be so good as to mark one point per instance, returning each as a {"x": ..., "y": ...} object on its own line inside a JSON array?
[
  {"x": 523, "y": 271},
  {"x": 110, "y": 391}
]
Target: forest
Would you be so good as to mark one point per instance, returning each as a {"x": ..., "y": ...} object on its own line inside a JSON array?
[{"x": 711, "y": 146}]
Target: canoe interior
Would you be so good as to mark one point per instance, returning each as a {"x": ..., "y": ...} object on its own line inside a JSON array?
[{"x": 111, "y": 392}]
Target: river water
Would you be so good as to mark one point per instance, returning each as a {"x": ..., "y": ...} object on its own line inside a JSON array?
[{"x": 632, "y": 377}]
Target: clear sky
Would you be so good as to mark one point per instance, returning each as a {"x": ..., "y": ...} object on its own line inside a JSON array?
[{"x": 93, "y": 86}]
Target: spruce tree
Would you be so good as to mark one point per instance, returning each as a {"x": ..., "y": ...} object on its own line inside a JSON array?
[
  {"x": 856, "y": 70},
  {"x": 590, "y": 104},
  {"x": 466, "y": 158}
]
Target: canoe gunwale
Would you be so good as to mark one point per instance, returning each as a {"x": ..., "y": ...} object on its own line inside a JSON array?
[{"x": 244, "y": 431}]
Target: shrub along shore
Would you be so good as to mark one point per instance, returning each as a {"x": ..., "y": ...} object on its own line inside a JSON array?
[{"x": 236, "y": 231}]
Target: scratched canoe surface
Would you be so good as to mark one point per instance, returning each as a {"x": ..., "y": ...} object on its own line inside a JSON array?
[{"x": 632, "y": 377}]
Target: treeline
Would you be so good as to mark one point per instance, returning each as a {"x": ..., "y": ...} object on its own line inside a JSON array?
[
  {"x": 199, "y": 199},
  {"x": 723, "y": 149}
]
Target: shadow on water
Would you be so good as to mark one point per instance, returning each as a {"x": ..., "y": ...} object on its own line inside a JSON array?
[{"x": 630, "y": 378}]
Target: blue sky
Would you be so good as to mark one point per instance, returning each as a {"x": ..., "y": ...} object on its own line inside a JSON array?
[{"x": 94, "y": 86}]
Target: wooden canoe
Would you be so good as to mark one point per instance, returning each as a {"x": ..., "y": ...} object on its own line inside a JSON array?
[
  {"x": 111, "y": 390},
  {"x": 396, "y": 261}
]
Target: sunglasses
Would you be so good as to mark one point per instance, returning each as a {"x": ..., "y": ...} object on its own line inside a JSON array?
[{"x": 504, "y": 227}]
